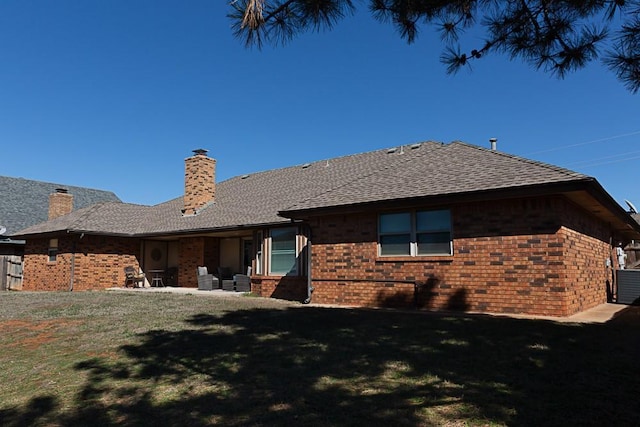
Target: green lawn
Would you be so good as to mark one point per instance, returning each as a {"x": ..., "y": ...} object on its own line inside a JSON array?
[{"x": 116, "y": 358}]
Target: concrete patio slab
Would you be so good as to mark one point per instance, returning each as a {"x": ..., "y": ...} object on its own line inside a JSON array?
[
  {"x": 599, "y": 314},
  {"x": 184, "y": 291}
]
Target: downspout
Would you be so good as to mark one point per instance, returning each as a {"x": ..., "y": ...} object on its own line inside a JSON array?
[{"x": 309, "y": 280}]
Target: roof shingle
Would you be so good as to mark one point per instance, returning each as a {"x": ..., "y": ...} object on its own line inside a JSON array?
[
  {"x": 25, "y": 202},
  {"x": 412, "y": 171}
]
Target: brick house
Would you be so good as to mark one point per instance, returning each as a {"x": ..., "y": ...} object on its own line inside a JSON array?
[
  {"x": 428, "y": 225},
  {"x": 25, "y": 202}
]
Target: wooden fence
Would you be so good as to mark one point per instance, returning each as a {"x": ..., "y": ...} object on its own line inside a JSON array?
[{"x": 10, "y": 272}]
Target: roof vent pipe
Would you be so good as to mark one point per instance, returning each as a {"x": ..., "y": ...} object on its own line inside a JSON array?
[{"x": 494, "y": 143}]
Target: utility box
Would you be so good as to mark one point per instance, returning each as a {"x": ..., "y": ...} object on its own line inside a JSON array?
[{"x": 628, "y": 286}]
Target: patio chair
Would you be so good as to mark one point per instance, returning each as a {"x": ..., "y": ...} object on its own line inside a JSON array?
[
  {"x": 133, "y": 277},
  {"x": 171, "y": 276},
  {"x": 206, "y": 281},
  {"x": 225, "y": 276},
  {"x": 243, "y": 281}
]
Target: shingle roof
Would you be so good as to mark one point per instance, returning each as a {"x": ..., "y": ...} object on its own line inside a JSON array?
[
  {"x": 25, "y": 202},
  {"x": 437, "y": 169},
  {"x": 413, "y": 171}
]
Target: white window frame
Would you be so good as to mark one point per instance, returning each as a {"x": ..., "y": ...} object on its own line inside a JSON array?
[
  {"x": 297, "y": 249},
  {"x": 260, "y": 246},
  {"x": 413, "y": 239}
]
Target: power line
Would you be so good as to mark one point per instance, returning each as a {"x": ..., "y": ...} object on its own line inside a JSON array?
[
  {"x": 585, "y": 143},
  {"x": 610, "y": 162},
  {"x": 581, "y": 162}
]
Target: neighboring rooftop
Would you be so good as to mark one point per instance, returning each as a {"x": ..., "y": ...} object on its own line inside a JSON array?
[
  {"x": 25, "y": 202},
  {"x": 424, "y": 170}
]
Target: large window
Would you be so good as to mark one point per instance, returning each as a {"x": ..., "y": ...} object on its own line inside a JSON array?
[
  {"x": 283, "y": 251},
  {"x": 415, "y": 233}
]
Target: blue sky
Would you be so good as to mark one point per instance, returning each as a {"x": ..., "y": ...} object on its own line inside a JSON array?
[{"x": 114, "y": 95}]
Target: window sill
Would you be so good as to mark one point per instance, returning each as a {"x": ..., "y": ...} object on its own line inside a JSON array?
[
  {"x": 273, "y": 276},
  {"x": 420, "y": 258}
]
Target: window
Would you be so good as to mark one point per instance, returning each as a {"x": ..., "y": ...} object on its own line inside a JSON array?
[
  {"x": 433, "y": 232},
  {"x": 283, "y": 251},
  {"x": 395, "y": 234},
  {"x": 416, "y": 233},
  {"x": 53, "y": 250}
]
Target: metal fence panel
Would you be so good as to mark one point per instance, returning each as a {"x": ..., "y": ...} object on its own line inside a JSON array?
[{"x": 628, "y": 287}]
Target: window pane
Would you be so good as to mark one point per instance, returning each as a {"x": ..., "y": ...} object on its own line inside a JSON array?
[
  {"x": 283, "y": 262},
  {"x": 283, "y": 251},
  {"x": 397, "y": 244},
  {"x": 434, "y": 243},
  {"x": 283, "y": 239},
  {"x": 433, "y": 220},
  {"x": 395, "y": 223}
]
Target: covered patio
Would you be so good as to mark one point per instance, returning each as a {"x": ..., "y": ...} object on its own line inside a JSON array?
[{"x": 176, "y": 259}]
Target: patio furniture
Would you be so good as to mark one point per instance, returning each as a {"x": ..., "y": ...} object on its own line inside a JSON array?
[
  {"x": 243, "y": 281},
  {"x": 133, "y": 277},
  {"x": 206, "y": 281},
  {"x": 225, "y": 275},
  {"x": 157, "y": 279},
  {"x": 171, "y": 276}
]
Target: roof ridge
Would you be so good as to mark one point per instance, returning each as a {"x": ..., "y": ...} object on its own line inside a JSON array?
[
  {"x": 19, "y": 178},
  {"x": 345, "y": 183},
  {"x": 549, "y": 166},
  {"x": 346, "y": 156}
]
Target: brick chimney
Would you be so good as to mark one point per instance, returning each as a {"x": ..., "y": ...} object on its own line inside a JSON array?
[
  {"x": 199, "y": 181},
  {"x": 60, "y": 203}
]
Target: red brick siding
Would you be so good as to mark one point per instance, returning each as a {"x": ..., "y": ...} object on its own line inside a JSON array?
[
  {"x": 587, "y": 249},
  {"x": 508, "y": 257},
  {"x": 99, "y": 263},
  {"x": 286, "y": 287},
  {"x": 190, "y": 257},
  {"x": 60, "y": 204},
  {"x": 199, "y": 182}
]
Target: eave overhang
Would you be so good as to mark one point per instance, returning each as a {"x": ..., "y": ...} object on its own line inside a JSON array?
[{"x": 587, "y": 193}]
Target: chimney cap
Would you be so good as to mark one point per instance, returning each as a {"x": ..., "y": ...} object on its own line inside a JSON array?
[
  {"x": 200, "y": 152},
  {"x": 62, "y": 190}
]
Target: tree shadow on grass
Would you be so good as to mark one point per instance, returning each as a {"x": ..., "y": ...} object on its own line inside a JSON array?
[{"x": 322, "y": 366}]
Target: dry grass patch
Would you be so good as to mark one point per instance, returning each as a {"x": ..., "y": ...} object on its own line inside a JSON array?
[{"x": 99, "y": 358}]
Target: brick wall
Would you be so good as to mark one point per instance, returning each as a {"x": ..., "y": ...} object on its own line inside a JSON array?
[
  {"x": 586, "y": 251},
  {"x": 99, "y": 263},
  {"x": 514, "y": 256},
  {"x": 190, "y": 257},
  {"x": 199, "y": 182},
  {"x": 60, "y": 203},
  {"x": 285, "y": 287}
]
